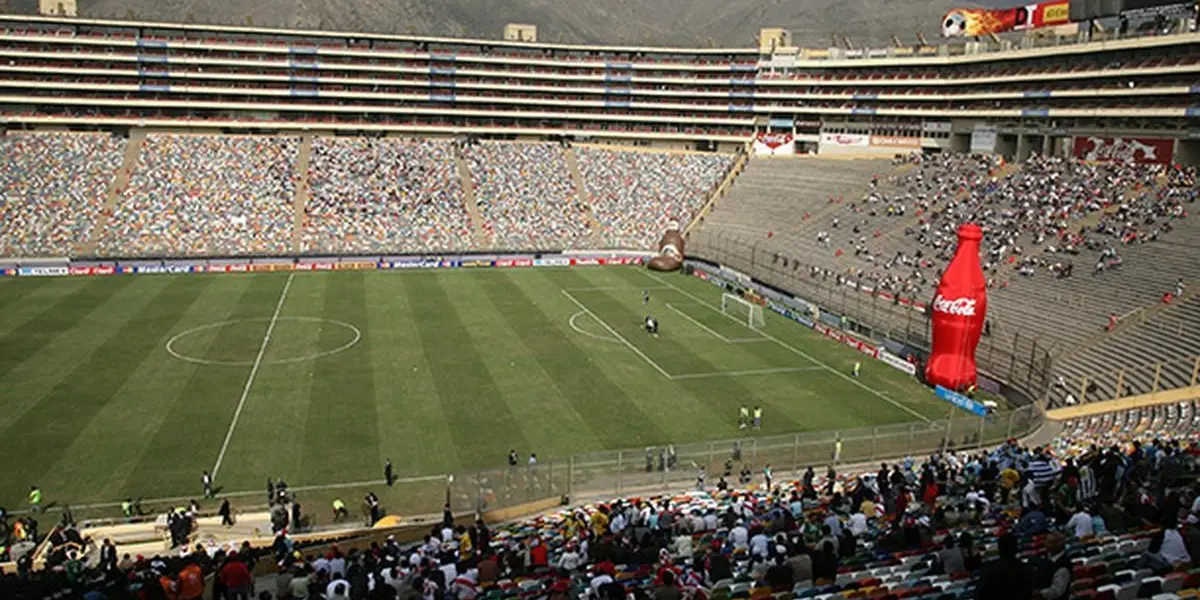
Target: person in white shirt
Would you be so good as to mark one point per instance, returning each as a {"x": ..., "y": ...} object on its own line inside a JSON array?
[
  {"x": 834, "y": 524},
  {"x": 1080, "y": 524},
  {"x": 759, "y": 544},
  {"x": 570, "y": 559},
  {"x": 739, "y": 536},
  {"x": 710, "y": 520},
  {"x": 338, "y": 589},
  {"x": 1173, "y": 548},
  {"x": 858, "y": 524},
  {"x": 337, "y": 566},
  {"x": 617, "y": 525},
  {"x": 449, "y": 571},
  {"x": 598, "y": 581}
]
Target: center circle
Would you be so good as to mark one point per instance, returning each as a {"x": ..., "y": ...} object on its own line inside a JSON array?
[{"x": 171, "y": 343}]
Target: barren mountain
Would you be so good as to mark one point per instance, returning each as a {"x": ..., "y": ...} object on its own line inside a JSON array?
[{"x": 691, "y": 23}]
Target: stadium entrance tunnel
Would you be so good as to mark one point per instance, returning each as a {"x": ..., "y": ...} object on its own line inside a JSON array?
[{"x": 237, "y": 342}]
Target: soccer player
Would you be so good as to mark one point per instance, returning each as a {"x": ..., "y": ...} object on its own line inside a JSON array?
[
  {"x": 206, "y": 481},
  {"x": 651, "y": 325},
  {"x": 645, "y": 296},
  {"x": 857, "y": 367}
]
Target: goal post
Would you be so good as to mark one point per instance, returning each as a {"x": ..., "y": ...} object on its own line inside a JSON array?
[{"x": 743, "y": 310}]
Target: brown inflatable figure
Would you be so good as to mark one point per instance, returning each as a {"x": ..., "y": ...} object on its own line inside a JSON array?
[{"x": 670, "y": 252}]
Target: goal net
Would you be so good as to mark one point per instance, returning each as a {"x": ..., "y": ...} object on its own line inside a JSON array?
[{"x": 743, "y": 310}]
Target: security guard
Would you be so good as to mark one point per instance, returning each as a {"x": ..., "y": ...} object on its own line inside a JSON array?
[
  {"x": 339, "y": 509},
  {"x": 758, "y": 417},
  {"x": 857, "y": 367}
]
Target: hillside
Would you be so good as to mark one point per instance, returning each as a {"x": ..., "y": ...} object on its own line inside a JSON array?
[{"x": 695, "y": 23}]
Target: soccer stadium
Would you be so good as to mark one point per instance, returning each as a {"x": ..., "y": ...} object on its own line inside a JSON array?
[{"x": 310, "y": 314}]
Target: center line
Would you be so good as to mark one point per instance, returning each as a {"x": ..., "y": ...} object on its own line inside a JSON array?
[{"x": 262, "y": 350}]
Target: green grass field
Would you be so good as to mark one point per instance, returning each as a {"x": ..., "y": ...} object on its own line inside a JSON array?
[{"x": 130, "y": 385}]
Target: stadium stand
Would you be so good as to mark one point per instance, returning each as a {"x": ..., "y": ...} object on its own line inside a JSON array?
[
  {"x": 384, "y": 195},
  {"x": 206, "y": 195},
  {"x": 52, "y": 190},
  {"x": 526, "y": 195},
  {"x": 1107, "y": 502},
  {"x": 636, "y": 195}
]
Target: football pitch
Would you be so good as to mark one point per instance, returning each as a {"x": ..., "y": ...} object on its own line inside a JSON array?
[{"x": 131, "y": 386}]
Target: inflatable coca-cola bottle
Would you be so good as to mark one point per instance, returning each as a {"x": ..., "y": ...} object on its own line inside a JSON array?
[{"x": 959, "y": 309}]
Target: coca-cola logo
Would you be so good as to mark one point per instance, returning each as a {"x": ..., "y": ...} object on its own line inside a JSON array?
[
  {"x": 774, "y": 140},
  {"x": 959, "y": 307},
  {"x": 1124, "y": 149}
]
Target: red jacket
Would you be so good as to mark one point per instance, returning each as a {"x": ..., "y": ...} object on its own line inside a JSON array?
[
  {"x": 538, "y": 555},
  {"x": 236, "y": 575}
]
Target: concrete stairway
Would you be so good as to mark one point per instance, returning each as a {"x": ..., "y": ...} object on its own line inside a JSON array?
[
  {"x": 133, "y": 147},
  {"x": 581, "y": 195},
  {"x": 479, "y": 233},
  {"x": 303, "y": 158}
]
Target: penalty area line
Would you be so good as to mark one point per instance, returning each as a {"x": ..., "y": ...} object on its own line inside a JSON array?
[
  {"x": 613, "y": 332},
  {"x": 776, "y": 371},
  {"x": 797, "y": 352},
  {"x": 262, "y": 350}
]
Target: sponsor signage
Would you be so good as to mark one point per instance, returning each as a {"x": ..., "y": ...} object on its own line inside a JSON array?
[
  {"x": 314, "y": 266},
  {"x": 43, "y": 271},
  {"x": 983, "y": 139},
  {"x": 552, "y": 262},
  {"x": 789, "y": 313},
  {"x": 896, "y": 362},
  {"x": 1135, "y": 150},
  {"x": 845, "y": 140},
  {"x": 772, "y": 144},
  {"x": 895, "y": 141},
  {"x": 514, "y": 262},
  {"x": 92, "y": 270},
  {"x": 961, "y": 401}
]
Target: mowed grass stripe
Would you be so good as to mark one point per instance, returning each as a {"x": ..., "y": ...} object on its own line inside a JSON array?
[
  {"x": 27, "y": 383},
  {"x": 95, "y": 463},
  {"x": 471, "y": 398},
  {"x": 340, "y": 440},
  {"x": 584, "y": 408},
  {"x": 547, "y": 420},
  {"x": 198, "y": 416},
  {"x": 277, "y": 406},
  {"x": 676, "y": 411},
  {"x": 56, "y": 317},
  {"x": 47, "y": 431},
  {"x": 14, "y": 290},
  {"x": 413, "y": 427}
]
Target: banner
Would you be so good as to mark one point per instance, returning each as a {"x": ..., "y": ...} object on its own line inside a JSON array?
[
  {"x": 983, "y": 139},
  {"x": 846, "y": 140},
  {"x": 896, "y": 362},
  {"x": 967, "y": 22},
  {"x": 961, "y": 401},
  {"x": 43, "y": 271},
  {"x": 1136, "y": 150},
  {"x": 895, "y": 141},
  {"x": 774, "y": 144},
  {"x": 514, "y": 262},
  {"x": 108, "y": 270},
  {"x": 552, "y": 262}
]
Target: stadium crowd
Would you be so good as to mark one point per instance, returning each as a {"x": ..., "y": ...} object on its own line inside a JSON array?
[
  {"x": 381, "y": 195},
  {"x": 526, "y": 195},
  {"x": 1030, "y": 217},
  {"x": 52, "y": 190},
  {"x": 206, "y": 195},
  {"x": 1073, "y": 519},
  {"x": 636, "y": 195}
]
